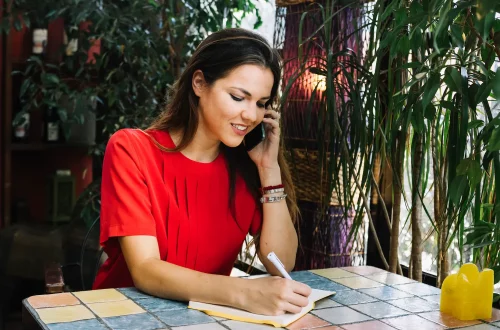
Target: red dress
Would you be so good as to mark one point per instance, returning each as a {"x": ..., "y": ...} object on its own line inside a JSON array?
[{"x": 183, "y": 203}]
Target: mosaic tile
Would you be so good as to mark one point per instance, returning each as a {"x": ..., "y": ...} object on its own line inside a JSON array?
[
  {"x": 482, "y": 327},
  {"x": 142, "y": 321},
  {"x": 134, "y": 293},
  {"x": 328, "y": 286},
  {"x": 415, "y": 305},
  {"x": 326, "y": 303},
  {"x": 446, "y": 320},
  {"x": 351, "y": 297},
  {"x": 116, "y": 308},
  {"x": 205, "y": 326},
  {"x": 495, "y": 316},
  {"x": 333, "y": 273},
  {"x": 237, "y": 325},
  {"x": 64, "y": 314},
  {"x": 379, "y": 310},
  {"x": 358, "y": 282},
  {"x": 304, "y": 276},
  {"x": 95, "y": 296},
  {"x": 434, "y": 298},
  {"x": 412, "y": 322},
  {"x": 93, "y": 324},
  {"x": 308, "y": 321},
  {"x": 372, "y": 325},
  {"x": 183, "y": 317},
  {"x": 364, "y": 270},
  {"x": 418, "y": 289},
  {"x": 385, "y": 293},
  {"x": 340, "y": 315},
  {"x": 390, "y": 278},
  {"x": 158, "y": 304},
  {"x": 53, "y": 300}
]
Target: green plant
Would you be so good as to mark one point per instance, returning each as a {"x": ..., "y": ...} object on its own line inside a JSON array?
[
  {"x": 144, "y": 47},
  {"x": 417, "y": 101}
]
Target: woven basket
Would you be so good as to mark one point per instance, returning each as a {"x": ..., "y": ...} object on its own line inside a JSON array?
[{"x": 310, "y": 183}]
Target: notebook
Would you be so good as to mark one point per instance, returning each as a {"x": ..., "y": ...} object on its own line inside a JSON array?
[{"x": 241, "y": 315}]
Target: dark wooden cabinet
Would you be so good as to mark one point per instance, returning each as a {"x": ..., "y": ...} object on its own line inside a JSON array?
[{"x": 26, "y": 167}]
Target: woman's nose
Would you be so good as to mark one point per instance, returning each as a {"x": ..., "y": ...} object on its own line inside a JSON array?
[{"x": 250, "y": 114}]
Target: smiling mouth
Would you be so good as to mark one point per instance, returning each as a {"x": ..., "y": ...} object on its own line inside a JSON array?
[{"x": 240, "y": 127}]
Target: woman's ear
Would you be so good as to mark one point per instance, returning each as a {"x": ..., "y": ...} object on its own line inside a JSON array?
[{"x": 198, "y": 83}]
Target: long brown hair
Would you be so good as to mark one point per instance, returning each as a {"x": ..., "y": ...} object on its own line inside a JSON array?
[{"x": 216, "y": 56}]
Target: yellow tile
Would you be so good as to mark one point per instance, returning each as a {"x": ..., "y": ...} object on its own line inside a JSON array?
[
  {"x": 119, "y": 308},
  {"x": 95, "y": 296},
  {"x": 333, "y": 273},
  {"x": 358, "y": 282},
  {"x": 64, "y": 314}
]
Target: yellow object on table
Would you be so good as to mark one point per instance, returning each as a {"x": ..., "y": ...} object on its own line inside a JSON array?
[{"x": 468, "y": 295}]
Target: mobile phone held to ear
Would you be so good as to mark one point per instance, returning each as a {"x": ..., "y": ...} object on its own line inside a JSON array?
[{"x": 254, "y": 137}]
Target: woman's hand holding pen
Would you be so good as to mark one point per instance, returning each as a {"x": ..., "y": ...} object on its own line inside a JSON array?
[{"x": 274, "y": 295}]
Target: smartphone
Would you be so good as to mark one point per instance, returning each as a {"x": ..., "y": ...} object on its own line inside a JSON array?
[{"x": 254, "y": 137}]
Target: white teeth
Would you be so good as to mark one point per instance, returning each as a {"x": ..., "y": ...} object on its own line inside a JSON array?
[{"x": 239, "y": 127}]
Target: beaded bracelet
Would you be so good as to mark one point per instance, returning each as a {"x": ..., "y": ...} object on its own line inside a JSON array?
[
  {"x": 272, "y": 199},
  {"x": 273, "y": 191}
]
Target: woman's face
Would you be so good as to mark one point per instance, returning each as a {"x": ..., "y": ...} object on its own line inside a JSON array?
[{"x": 232, "y": 106}]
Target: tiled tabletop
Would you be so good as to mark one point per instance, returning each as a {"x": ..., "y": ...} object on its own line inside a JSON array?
[{"x": 366, "y": 298}]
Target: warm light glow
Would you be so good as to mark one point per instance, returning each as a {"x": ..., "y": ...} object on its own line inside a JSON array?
[{"x": 319, "y": 80}]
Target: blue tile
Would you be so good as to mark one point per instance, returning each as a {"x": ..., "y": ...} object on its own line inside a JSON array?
[
  {"x": 133, "y": 293},
  {"x": 385, "y": 293},
  {"x": 351, "y": 297},
  {"x": 327, "y": 285},
  {"x": 78, "y": 325},
  {"x": 158, "y": 304},
  {"x": 143, "y": 321},
  {"x": 184, "y": 317},
  {"x": 304, "y": 276}
]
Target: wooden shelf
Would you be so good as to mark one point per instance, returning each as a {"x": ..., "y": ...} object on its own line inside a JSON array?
[{"x": 40, "y": 146}]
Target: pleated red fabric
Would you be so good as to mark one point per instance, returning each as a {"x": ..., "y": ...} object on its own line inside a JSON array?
[{"x": 183, "y": 203}]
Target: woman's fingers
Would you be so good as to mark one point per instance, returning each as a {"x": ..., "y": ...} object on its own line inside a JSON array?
[
  {"x": 302, "y": 289},
  {"x": 298, "y": 300}
]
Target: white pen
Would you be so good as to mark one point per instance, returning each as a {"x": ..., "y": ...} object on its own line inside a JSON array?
[{"x": 277, "y": 263}]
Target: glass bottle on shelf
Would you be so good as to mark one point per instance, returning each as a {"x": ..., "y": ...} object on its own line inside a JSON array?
[
  {"x": 40, "y": 39},
  {"x": 52, "y": 126},
  {"x": 21, "y": 128}
]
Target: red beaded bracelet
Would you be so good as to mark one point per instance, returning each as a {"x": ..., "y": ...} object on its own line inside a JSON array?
[{"x": 265, "y": 189}]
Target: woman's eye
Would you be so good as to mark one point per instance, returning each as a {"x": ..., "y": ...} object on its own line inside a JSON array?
[
  {"x": 236, "y": 98},
  {"x": 260, "y": 105}
]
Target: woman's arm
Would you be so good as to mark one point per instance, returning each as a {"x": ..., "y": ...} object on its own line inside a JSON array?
[
  {"x": 278, "y": 232},
  {"x": 268, "y": 295}
]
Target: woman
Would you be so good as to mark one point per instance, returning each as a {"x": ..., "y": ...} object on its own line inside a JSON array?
[{"x": 179, "y": 198}]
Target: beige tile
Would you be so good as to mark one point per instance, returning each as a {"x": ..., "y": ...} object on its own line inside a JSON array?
[
  {"x": 364, "y": 270},
  {"x": 390, "y": 278},
  {"x": 116, "y": 308},
  {"x": 53, "y": 300},
  {"x": 358, "y": 282},
  {"x": 333, "y": 273},
  {"x": 64, "y": 314},
  {"x": 95, "y": 296}
]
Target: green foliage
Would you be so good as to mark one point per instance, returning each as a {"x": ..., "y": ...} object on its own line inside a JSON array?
[
  {"x": 427, "y": 71},
  {"x": 144, "y": 47}
]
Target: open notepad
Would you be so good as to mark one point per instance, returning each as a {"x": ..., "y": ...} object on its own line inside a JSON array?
[{"x": 240, "y": 315}]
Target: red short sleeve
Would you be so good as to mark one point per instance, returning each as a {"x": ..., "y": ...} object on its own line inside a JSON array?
[{"x": 124, "y": 192}]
